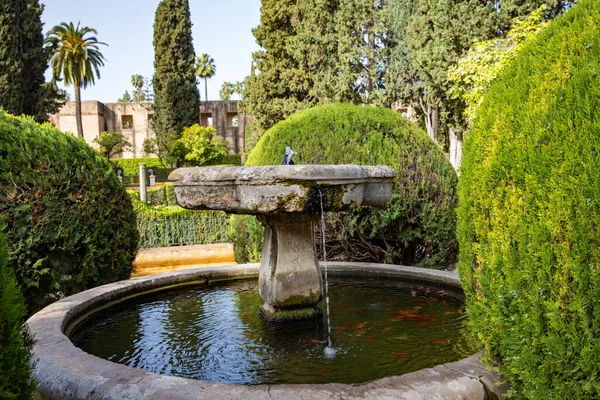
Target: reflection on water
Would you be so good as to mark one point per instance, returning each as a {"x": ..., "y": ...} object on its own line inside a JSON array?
[{"x": 380, "y": 328}]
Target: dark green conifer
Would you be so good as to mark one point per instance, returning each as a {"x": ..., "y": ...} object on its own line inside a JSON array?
[
  {"x": 23, "y": 61},
  {"x": 177, "y": 102}
]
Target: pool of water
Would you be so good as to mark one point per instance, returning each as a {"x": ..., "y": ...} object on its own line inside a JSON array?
[{"x": 380, "y": 327}]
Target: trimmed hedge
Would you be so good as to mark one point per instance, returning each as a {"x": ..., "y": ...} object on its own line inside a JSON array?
[
  {"x": 161, "y": 196},
  {"x": 15, "y": 341},
  {"x": 131, "y": 167},
  {"x": 529, "y": 214},
  {"x": 417, "y": 227},
  {"x": 70, "y": 223}
]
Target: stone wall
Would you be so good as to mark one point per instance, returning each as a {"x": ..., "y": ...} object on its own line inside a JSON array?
[{"x": 134, "y": 121}]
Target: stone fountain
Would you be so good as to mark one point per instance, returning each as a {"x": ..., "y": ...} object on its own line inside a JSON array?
[{"x": 287, "y": 200}]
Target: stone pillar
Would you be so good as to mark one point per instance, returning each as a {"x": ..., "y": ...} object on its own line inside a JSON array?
[
  {"x": 143, "y": 195},
  {"x": 289, "y": 280}
]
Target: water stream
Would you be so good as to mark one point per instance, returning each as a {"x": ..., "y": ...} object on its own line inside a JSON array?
[{"x": 329, "y": 350}]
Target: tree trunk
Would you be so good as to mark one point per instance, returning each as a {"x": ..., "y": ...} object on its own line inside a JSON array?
[
  {"x": 78, "y": 110},
  {"x": 455, "y": 148},
  {"x": 205, "y": 90},
  {"x": 432, "y": 116}
]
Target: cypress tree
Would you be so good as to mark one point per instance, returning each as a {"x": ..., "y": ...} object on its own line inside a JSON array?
[
  {"x": 35, "y": 61},
  {"x": 281, "y": 87},
  {"x": 176, "y": 102},
  {"x": 11, "y": 62},
  {"x": 23, "y": 61}
]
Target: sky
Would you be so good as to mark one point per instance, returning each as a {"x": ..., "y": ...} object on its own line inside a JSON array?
[{"x": 221, "y": 28}]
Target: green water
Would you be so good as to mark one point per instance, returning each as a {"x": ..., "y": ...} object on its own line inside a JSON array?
[{"x": 379, "y": 327}]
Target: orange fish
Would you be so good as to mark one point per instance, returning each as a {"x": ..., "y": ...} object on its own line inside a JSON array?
[
  {"x": 400, "y": 354},
  {"x": 439, "y": 341}
]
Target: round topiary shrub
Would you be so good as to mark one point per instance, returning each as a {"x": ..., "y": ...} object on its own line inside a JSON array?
[
  {"x": 529, "y": 214},
  {"x": 70, "y": 225},
  {"x": 417, "y": 227}
]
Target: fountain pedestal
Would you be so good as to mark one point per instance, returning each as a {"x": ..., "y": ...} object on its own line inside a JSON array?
[
  {"x": 287, "y": 200},
  {"x": 289, "y": 280}
]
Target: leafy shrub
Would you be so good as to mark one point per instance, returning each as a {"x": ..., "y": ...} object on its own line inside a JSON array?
[
  {"x": 247, "y": 235},
  {"x": 417, "y": 226},
  {"x": 15, "y": 341},
  {"x": 111, "y": 143},
  {"x": 202, "y": 145},
  {"x": 529, "y": 214},
  {"x": 163, "y": 195},
  {"x": 70, "y": 224}
]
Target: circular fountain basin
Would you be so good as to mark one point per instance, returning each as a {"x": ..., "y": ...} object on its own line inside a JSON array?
[{"x": 66, "y": 372}]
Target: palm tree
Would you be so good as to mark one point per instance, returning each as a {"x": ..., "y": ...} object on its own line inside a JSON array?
[
  {"x": 227, "y": 89},
  {"x": 75, "y": 57},
  {"x": 205, "y": 68},
  {"x": 138, "y": 82}
]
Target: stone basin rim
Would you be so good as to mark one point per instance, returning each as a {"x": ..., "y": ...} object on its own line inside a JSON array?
[
  {"x": 66, "y": 372},
  {"x": 260, "y": 175}
]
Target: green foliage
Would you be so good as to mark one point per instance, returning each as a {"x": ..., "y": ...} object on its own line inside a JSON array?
[
  {"x": 205, "y": 68},
  {"x": 163, "y": 195},
  {"x": 75, "y": 58},
  {"x": 202, "y": 145},
  {"x": 175, "y": 226},
  {"x": 315, "y": 52},
  {"x": 475, "y": 72},
  {"x": 430, "y": 36},
  {"x": 23, "y": 61},
  {"x": 111, "y": 144},
  {"x": 70, "y": 224},
  {"x": 131, "y": 169},
  {"x": 529, "y": 214},
  {"x": 15, "y": 341},
  {"x": 142, "y": 90},
  {"x": 417, "y": 226},
  {"x": 176, "y": 102},
  {"x": 247, "y": 235},
  {"x": 252, "y": 135}
]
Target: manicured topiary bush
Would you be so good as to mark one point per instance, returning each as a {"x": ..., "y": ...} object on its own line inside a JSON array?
[
  {"x": 70, "y": 223},
  {"x": 529, "y": 214},
  {"x": 15, "y": 341},
  {"x": 418, "y": 225}
]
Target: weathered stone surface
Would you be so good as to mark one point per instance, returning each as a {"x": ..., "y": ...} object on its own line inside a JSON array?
[
  {"x": 65, "y": 372},
  {"x": 282, "y": 188}
]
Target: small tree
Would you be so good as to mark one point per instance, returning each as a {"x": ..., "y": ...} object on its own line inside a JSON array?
[
  {"x": 112, "y": 143},
  {"x": 202, "y": 145}
]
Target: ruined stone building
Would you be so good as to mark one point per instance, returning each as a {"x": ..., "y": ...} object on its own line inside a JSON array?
[{"x": 134, "y": 121}]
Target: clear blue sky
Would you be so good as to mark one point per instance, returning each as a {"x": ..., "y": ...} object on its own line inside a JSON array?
[{"x": 221, "y": 28}]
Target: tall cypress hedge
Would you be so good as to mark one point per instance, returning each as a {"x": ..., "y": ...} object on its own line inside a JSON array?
[
  {"x": 529, "y": 214},
  {"x": 418, "y": 225},
  {"x": 70, "y": 225}
]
